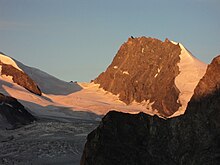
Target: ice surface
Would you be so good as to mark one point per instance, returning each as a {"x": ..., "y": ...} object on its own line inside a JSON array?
[{"x": 45, "y": 142}]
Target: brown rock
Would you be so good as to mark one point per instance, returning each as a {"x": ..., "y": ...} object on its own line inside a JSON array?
[
  {"x": 211, "y": 80},
  {"x": 20, "y": 78},
  {"x": 144, "y": 69}
]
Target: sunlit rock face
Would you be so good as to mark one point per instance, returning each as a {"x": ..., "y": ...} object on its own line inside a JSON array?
[
  {"x": 140, "y": 139},
  {"x": 149, "y": 70},
  {"x": 9, "y": 68}
]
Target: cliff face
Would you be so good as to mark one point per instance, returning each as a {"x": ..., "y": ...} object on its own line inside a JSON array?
[
  {"x": 13, "y": 113},
  {"x": 145, "y": 70},
  {"x": 192, "y": 138},
  {"x": 210, "y": 83},
  {"x": 20, "y": 78}
]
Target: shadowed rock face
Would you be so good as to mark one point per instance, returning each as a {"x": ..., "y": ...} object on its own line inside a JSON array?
[
  {"x": 210, "y": 81},
  {"x": 20, "y": 78},
  {"x": 192, "y": 138},
  {"x": 142, "y": 67},
  {"x": 13, "y": 112}
]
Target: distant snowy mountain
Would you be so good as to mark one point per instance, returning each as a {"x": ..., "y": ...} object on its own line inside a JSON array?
[
  {"x": 59, "y": 99},
  {"x": 47, "y": 83},
  {"x": 146, "y": 75},
  {"x": 22, "y": 82}
]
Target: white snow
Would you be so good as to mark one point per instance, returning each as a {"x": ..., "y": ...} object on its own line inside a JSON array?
[
  {"x": 84, "y": 100},
  {"x": 80, "y": 104},
  {"x": 65, "y": 100},
  {"x": 9, "y": 78},
  {"x": 47, "y": 83},
  {"x": 7, "y": 60},
  {"x": 148, "y": 105},
  {"x": 191, "y": 71},
  {"x": 125, "y": 72}
]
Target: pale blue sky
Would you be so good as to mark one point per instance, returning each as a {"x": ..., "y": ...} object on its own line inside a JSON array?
[{"x": 77, "y": 39}]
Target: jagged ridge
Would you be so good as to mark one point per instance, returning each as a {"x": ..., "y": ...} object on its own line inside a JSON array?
[{"x": 146, "y": 70}]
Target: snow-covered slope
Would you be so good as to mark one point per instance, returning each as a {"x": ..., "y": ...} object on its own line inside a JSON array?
[
  {"x": 63, "y": 100},
  {"x": 191, "y": 71},
  {"x": 83, "y": 104},
  {"x": 7, "y": 60},
  {"x": 10, "y": 70},
  {"x": 68, "y": 101},
  {"x": 47, "y": 83}
]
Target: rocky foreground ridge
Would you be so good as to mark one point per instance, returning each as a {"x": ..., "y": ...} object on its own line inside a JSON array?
[{"x": 140, "y": 139}]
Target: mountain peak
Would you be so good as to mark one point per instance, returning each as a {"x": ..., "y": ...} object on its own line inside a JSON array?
[{"x": 143, "y": 66}]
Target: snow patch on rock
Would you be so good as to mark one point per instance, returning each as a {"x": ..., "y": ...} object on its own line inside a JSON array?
[
  {"x": 8, "y": 78},
  {"x": 158, "y": 71},
  {"x": 125, "y": 72},
  {"x": 147, "y": 104}
]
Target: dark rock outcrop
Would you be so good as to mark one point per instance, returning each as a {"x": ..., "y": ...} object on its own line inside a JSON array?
[
  {"x": 142, "y": 67},
  {"x": 20, "y": 78},
  {"x": 140, "y": 139},
  {"x": 210, "y": 82},
  {"x": 13, "y": 113}
]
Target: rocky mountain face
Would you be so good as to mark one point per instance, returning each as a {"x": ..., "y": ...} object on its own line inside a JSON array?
[
  {"x": 210, "y": 83},
  {"x": 12, "y": 113},
  {"x": 144, "y": 70},
  {"x": 20, "y": 78},
  {"x": 140, "y": 139},
  {"x": 9, "y": 68}
]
